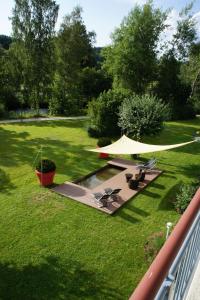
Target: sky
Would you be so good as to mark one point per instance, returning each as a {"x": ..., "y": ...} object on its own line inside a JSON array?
[{"x": 103, "y": 16}]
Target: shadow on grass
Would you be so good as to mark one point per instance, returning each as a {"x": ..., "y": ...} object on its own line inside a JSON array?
[
  {"x": 191, "y": 170},
  {"x": 188, "y": 169},
  {"x": 167, "y": 202},
  {"x": 71, "y": 159},
  {"x": 122, "y": 214},
  {"x": 168, "y": 175},
  {"x": 158, "y": 185},
  {"x": 5, "y": 183},
  {"x": 137, "y": 210},
  {"x": 150, "y": 194},
  {"x": 175, "y": 134},
  {"x": 53, "y": 280}
]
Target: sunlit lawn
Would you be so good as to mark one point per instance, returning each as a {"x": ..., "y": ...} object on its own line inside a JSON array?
[{"x": 52, "y": 247}]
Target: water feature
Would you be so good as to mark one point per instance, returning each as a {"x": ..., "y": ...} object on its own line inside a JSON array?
[{"x": 92, "y": 180}]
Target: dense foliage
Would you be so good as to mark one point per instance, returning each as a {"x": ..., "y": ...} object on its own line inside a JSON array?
[
  {"x": 153, "y": 245},
  {"x": 184, "y": 196},
  {"x": 45, "y": 166},
  {"x": 104, "y": 141},
  {"x": 190, "y": 74},
  {"x": 140, "y": 115},
  {"x": 171, "y": 89},
  {"x": 63, "y": 71},
  {"x": 5, "y": 41},
  {"x": 103, "y": 112},
  {"x": 170, "y": 85}
]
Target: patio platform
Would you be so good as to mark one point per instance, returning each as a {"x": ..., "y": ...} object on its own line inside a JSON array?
[{"x": 84, "y": 195}]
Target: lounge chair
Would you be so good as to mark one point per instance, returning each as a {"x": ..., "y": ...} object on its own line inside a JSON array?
[
  {"x": 101, "y": 199},
  {"x": 108, "y": 191},
  {"x": 147, "y": 166},
  {"x": 115, "y": 194}
]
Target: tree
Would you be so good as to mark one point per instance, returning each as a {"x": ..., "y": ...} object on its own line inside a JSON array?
[
  {"x": 74, "y": 53},
  {"x": 9, "y": 79},
  {"x": 5, "y": 41},
  {"x": 170, "y": 84},
  {"x": 140, "y": 115},
  {"x": 93, "y": 82},
  {"x": 185, "y": 36},
  {"x": 190, "y": 75},
  {"x": 33, "y": 24},
  {"x": 132, "y": 57},
  {"x": 172, "y": 89}
]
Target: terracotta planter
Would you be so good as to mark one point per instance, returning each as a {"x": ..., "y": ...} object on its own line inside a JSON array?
[
  {"x": 45, "y": 179},
  {"x": 103, "y": 155}
]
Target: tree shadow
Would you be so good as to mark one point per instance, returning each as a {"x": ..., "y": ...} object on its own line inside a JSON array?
[
  {"x": 71, "y": 159},
  {"x": 191, "y": 170},
  {"x": 52, "y": 280},
  {"x": 167, "y": 202},
  {"x": 168, "y": 175},
  {"x": 193, "y": 149},
  {"x": 5, "y": 183},
  {"x": 122, "y": 214},
  {"x": 137, "y": 210},
  {"x": 175, "y": 133},
  {"x": 158, "y": 185},
  {"x": 150, "y": 194}
]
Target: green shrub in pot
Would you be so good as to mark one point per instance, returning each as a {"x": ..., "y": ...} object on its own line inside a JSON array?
[
  {"x": 103, "y": 141},
  {"x": 45, "y": 166}
]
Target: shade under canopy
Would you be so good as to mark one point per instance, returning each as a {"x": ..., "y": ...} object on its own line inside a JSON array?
[{"x": 128, "y": 146}]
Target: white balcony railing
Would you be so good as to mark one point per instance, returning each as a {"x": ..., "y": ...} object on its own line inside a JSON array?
[
  {"x": 169, "y": 276},
  {"x": 178, "y": 280}
]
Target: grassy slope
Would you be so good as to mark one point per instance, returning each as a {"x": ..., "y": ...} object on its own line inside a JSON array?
[{"x": 55, "y": 248}]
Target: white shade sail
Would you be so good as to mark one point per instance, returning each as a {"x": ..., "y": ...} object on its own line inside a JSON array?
[{"x": 128, "y": 146}]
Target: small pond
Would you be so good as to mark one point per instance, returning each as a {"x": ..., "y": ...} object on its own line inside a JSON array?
[{"x": 92, "y": 180}]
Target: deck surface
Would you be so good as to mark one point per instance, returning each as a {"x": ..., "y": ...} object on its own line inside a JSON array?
[{"x": 84, "y": 195}]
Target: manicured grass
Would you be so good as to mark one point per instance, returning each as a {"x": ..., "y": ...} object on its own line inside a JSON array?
[{"x": 52, "y": 247}]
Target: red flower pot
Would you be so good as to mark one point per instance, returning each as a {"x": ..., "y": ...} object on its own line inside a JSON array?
[
  {"x": 103, "y": 155},
  {"x": 45, "y": 178}
]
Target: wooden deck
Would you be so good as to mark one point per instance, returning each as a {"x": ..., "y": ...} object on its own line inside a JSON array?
[{"x": 84, "y": 195}]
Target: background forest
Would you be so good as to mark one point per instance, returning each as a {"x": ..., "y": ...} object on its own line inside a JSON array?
[{"x": 65, "y": 73}]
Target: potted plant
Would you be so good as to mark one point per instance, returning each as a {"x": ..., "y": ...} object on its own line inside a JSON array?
[
  {"x": 45, "y": 170},
  {"x": 102, "y": 142}
]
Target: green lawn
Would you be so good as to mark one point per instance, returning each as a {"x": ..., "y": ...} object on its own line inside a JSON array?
[{"x": 52, "y": 247}]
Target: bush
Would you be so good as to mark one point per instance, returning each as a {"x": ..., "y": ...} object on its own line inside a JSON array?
[
  {"x": 184, "y": 196},
  {"x": 103, "y": 112},
  {"x": 153, "y": 245},
  {"x": 104, "y": 141},
  {"x": 93, "y": 132},
  {"x": 140, "y": 115},
  {"x": 45, "y": 166},
  {"x": 2, "y": 110}
]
